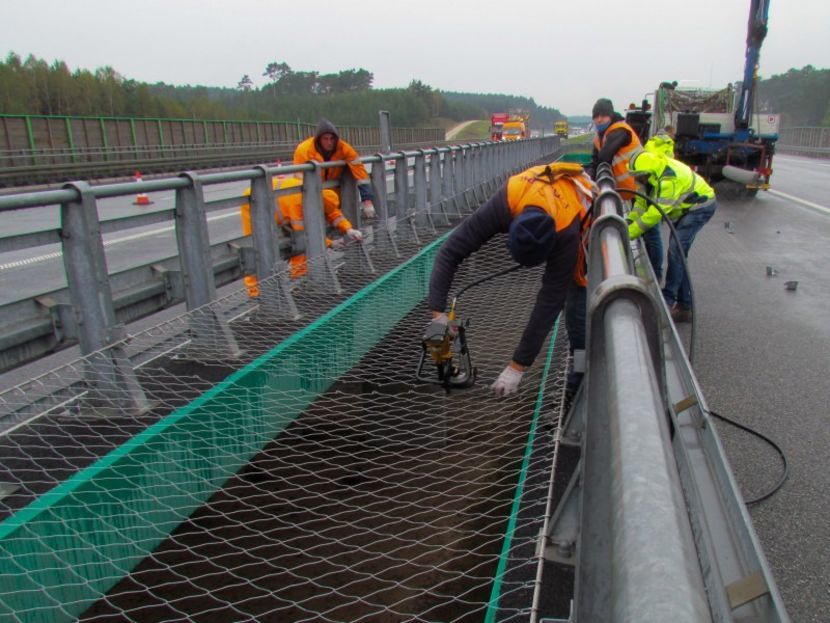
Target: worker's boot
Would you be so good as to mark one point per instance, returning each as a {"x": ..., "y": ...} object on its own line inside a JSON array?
[{"x": 681, "y": 314}]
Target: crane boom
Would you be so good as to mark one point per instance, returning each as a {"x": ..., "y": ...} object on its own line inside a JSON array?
[{"x": 756, "y": 32}]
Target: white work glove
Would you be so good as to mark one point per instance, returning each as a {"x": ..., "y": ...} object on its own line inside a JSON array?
[
  {"x": 508, "y": 382},
  {"x": 355, "y": 234},
  {"x": 368, "y": 209},
  {"x": 443, "y": 319},
  {"x": 338, "y": 244}
]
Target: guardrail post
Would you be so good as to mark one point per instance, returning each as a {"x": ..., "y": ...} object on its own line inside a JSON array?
[
  {"x": 492, "y": 168},
  {"x": 472, "y": 172},
  {"x": 388, "y": 222},
  {"x": 349, "y": 206},
  {"x": 108, "y": 373},
  {"x": 447, "y": 181},
  {"x": 436, "y": 200},
  {"x": 504, "y": 164},
  {"x": 481, "y": 171},
  {"x": 385, "y": 131},
  {"x": 348, "y": 198},
  {"x": 402, "y": 208},
  {"x": 469, "y": 174},
  {"x": 271, "y": 270},
  {"x": 210, "y": 335},
  {"x": 423, "y": 218},
  {"x": 320, "y": 269}
]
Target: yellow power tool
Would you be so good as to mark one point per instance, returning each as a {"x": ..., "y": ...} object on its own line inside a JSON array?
[{"x": 445, "y": 344}]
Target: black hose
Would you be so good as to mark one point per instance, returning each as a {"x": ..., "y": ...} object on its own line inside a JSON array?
[
  {"x": 685, "y": 266},
  {"x": 486, "y": 278},
  {"x": 786, "y": 470},
  {"x": 784, "y": 473}
]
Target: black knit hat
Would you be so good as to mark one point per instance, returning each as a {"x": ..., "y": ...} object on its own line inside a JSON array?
[
  {"x": 532, "y": 236},
  {"x": 604, "y": 106}
]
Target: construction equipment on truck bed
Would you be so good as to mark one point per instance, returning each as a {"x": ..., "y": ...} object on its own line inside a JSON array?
[{"x": 717, "y": 131}]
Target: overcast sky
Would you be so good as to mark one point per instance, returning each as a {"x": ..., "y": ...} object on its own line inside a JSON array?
[{"x": 563, "y": 53}]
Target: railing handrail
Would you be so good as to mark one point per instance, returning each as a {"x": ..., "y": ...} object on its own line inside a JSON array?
[{"x": 458, "y": 166}]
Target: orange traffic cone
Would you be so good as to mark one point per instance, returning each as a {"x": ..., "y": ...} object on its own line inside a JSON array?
[{"x": 141, "y": 199}]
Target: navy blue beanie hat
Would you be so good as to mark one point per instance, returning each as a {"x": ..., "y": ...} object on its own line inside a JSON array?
[{"x": 532, "y": 236}]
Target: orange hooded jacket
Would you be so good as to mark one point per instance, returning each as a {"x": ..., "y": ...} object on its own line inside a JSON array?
[{"x": 310, "y": 149}]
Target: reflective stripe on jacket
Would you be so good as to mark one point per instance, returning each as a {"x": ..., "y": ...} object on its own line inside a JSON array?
[
  {"x": 678, "y": 190},
  {"x": 619, "y": 164}
]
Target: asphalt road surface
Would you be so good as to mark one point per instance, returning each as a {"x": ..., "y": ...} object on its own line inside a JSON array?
[{"x": 762, "y": 356}]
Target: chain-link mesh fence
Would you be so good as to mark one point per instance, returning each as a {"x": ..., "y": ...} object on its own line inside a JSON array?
[{"x": 279, "y": 469}]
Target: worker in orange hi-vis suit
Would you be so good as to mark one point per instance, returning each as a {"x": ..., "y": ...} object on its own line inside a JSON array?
[
  {"x": 290, "y": 215},
  {"x": 326, "y": 146}
]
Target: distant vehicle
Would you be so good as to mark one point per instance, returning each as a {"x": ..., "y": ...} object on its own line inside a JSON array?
[
  {"x": 497, "y": 121},
  {"x": 517, "y": 125},
  {"x": 560, "y": 128}
]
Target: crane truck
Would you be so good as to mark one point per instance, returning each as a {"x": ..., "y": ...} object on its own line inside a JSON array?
[{"x": 717, "y": 131}]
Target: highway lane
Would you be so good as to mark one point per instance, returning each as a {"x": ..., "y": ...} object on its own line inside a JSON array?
[
  {"x": 37, "y": 270},
  {"x": 30, "y": 272},
  {"x": 762, "y": 358},
  {"x": 805, "y": 178}
]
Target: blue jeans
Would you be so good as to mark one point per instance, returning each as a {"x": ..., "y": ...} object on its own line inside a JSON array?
[
  {"x": 677, "y": 288},
  {"x": 653, "y": 240},
  {"x": 575, "y": 322}
]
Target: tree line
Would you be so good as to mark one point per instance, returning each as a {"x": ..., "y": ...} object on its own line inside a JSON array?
[
  {"x": 347, "y": 97},
  {"x": 801, "y": 96}
]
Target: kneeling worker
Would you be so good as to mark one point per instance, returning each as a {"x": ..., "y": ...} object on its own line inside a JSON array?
[
  {"x": 689, "y": 202},
  {"x": 290, "y": 217},
  {"x": 543, "y": 210}
]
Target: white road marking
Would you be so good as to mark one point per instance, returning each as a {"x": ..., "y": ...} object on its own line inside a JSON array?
[
  {"x": 107, "y": 243},
  {"x": 800, "y": 201}
]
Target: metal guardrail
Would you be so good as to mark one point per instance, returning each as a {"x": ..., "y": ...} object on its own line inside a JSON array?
[
  {"x": 96, "y": 305},
  {"x": 807, "y": 141},
  {"x": 652, "y": 519}
]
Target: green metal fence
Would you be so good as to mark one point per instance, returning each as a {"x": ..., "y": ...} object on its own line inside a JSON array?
[{"x": 41, "y": 148}]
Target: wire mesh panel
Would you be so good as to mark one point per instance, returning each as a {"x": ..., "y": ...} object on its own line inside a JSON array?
[{"x": 287, "y": 469}]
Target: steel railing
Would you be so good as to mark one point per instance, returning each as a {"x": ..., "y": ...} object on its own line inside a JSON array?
[
  {"x": 807, "y": 141},
  {"x": 652, "y": 519},
  {"x": 46, "y": 321}
]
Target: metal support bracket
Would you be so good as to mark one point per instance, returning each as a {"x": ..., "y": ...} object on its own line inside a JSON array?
[
  {"x": 108, "y": 374},
  {"x": 560, "y": 543}
]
